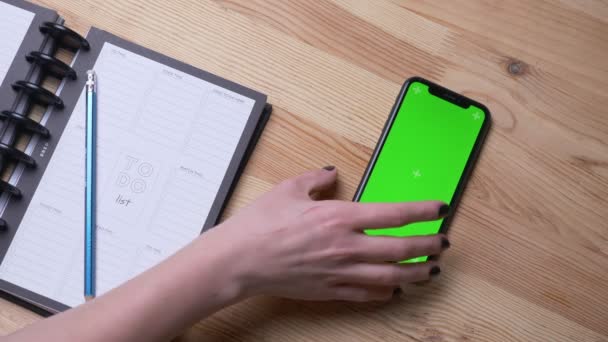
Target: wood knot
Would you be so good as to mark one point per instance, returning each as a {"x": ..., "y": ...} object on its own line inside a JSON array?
[{"x": 516, "y": 68}]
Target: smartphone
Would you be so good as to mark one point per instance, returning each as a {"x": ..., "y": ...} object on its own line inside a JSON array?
[{"x": 427, "y": 150}]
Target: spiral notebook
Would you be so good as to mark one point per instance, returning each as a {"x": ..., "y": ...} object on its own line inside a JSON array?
[{"x": 172, "y": 141}]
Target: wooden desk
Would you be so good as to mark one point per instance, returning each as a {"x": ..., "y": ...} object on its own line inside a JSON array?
[{"x": 530, "y": 241}]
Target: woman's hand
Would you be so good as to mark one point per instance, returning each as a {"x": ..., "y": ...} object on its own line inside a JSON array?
[{"x": 287, "y": 244}]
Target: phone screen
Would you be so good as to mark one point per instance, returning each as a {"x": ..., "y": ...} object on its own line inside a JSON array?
[{"x": 423, "y": 156}]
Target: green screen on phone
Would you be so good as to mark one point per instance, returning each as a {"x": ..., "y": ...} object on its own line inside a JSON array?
[{"x": 423, "y": 156}]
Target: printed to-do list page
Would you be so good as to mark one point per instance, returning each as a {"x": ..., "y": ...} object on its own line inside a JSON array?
[
  {"x": 165, "y": 140},
  {"x": 14, "y": 23}
]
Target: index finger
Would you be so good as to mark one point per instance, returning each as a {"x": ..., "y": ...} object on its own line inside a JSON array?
[{"x": 387, "y": 215}]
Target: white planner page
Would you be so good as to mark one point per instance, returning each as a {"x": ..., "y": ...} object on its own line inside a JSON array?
[
  {"x": 14, "y": 23},
  {"x": 165, "y": 140}
]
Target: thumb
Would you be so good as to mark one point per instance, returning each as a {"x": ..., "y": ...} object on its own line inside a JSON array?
[{"x": 315, "y": 180}]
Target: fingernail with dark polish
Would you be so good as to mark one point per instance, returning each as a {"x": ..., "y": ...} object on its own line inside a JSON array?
[
  {"x": 445, "y": 243},
  {"x": 435, "y": 271},
  {"x": 443, "y": 210},
  {"x": 329, "y": 167}
]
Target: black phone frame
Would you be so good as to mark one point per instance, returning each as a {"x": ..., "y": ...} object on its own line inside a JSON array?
[{"x": 455, "y": 98}]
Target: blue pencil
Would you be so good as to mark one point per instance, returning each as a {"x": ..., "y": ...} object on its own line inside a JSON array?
[{"x": 90, "y": 184}]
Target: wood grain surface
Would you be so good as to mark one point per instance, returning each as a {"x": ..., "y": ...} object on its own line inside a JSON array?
[{"x": 530, "y": 240}]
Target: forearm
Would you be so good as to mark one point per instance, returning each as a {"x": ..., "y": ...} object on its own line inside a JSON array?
[
  {"x": 155, "y": 306},
  {"x": 285, "y": 244}
]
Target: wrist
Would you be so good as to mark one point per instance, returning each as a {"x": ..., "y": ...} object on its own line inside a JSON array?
[{"x": 219, "y": 264}]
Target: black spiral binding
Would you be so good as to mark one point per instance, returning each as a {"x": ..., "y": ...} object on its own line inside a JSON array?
[{"x": 30, "y": 92}]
